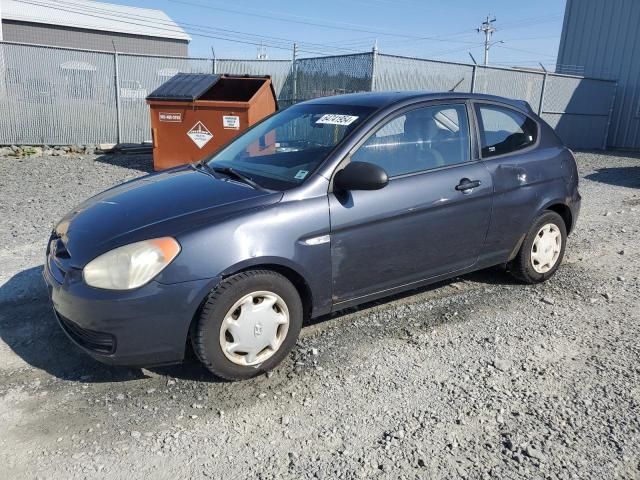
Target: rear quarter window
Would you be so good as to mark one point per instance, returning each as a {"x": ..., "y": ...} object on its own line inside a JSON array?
[{"x": 504, "y": 130}]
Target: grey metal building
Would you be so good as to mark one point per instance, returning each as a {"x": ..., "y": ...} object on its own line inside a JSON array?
[
  {"x": 603, "y": 38},
  {"x": 92, "y": 25}
]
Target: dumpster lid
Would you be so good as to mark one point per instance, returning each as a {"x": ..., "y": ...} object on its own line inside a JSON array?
[
  {"x": 188, "y": 87},
  {"x": 185, "y": 87}
]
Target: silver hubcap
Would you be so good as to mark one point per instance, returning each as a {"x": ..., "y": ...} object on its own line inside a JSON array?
[
  {"x": 546, "y": 248},
  {"x": 254, "y": 328}
]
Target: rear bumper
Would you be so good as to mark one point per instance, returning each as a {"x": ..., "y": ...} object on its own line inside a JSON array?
[{"x": 143, "y": 327}]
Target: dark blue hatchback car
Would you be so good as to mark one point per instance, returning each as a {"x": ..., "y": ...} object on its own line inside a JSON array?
[{"x": 327, "y": 204}]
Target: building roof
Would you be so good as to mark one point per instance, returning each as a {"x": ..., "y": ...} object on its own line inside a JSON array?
[{"x": 86, "y": 14}]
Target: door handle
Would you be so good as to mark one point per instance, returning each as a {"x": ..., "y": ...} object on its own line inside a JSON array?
[{"x": 465, "y": 185}]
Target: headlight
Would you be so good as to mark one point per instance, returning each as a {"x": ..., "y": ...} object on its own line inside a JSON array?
[{"x": 131, "y": 266}]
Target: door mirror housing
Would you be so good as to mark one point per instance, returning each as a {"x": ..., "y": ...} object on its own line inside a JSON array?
[{"x": 360, "y": 176}]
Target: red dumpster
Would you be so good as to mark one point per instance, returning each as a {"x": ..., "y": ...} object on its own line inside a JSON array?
[{"x": 193, "y": 114}]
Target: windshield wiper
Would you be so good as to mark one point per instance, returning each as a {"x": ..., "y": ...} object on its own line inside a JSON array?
[{"x": 231, "y": 172}]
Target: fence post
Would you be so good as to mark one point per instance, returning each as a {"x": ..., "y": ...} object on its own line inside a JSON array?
[
  {"x": 294, "y": 74},
  {"x": 117, "y": 85},
  {"x": 610, "y": 116},
  {"x": 473, "y": 74},
  {"x": 542, "y": 92},
  {"x": 473, "y": 78},
  {"x": 374, "y": 60}
]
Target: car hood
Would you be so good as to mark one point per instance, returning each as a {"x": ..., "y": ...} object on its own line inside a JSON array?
[{"x": 161, "y": 204}]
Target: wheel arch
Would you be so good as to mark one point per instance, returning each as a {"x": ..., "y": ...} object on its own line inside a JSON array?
[
  {"x": 277, "y": 265},
  {"x": 564, "y": 211},
  {"x": 557, "y": 206},
  {"x": 291, "y": 274}
]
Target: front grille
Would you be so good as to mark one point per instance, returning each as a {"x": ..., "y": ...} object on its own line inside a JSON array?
[{"x": 99, "y": 342}]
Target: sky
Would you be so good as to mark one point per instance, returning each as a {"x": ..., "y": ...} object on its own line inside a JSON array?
[{"x": 440, "y": 29}]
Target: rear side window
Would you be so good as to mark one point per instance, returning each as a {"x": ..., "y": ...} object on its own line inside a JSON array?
[{"x": 503, "y": 130}]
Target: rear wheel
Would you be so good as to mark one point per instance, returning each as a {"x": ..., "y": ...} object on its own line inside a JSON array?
[
  {"x": 248, "y": 324},
  {"x": 542, "y": 250}
]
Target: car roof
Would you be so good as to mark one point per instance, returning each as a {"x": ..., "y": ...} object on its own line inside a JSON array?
[{"x": 384, "y": 99}]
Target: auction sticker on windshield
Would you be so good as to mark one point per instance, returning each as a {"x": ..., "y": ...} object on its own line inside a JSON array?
[
  {"x": 200, "y": 134},
  {"x": 337, "y": 119}
]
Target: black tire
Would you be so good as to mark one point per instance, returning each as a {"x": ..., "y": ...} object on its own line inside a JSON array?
[
  {"x": 522, "y": 267},
  {"x": 205, "y": 333}
]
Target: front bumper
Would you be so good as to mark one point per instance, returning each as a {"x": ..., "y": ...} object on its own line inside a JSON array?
[{"x": 142, "y": 327}]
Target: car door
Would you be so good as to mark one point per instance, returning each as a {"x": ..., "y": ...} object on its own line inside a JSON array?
[{"x": 432, "y": 217}]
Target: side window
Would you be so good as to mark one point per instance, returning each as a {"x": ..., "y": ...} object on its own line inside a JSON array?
[
  {"x": 421, "y": 139},
  {"x": 504, "y": 130}
]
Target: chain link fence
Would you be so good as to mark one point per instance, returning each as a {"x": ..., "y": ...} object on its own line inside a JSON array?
[
  {"x": 81, "y": 97},
  {"x": 402, "y": 73},
  {"x": 337, "y": 75},
  {"x": 137, "y": 77},
  {"x": 279, "y": 70},
  {"x": 45, "y": 92},
  {"x": 511, "y": 84},
  {"x": 579, "y": 109}
]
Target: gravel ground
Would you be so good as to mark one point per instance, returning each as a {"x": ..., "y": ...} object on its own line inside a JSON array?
[{"x": 479, "y": 377}]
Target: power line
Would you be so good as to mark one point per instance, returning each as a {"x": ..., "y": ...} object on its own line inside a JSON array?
[
  {"x": 439, "y": 38},
  {"x": 233, "y": 36},
  {"x": 518, "y": 23},
  {"x": 286, "y": 42},
  {"x": 455, "y": 50},
  {"x": 249, "y": 39},
  {"x": 526, "y": 51},
  {"x": 521, "y": 39}
]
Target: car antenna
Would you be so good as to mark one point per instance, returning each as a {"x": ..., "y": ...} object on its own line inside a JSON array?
[{"x": 453, "y": 89}]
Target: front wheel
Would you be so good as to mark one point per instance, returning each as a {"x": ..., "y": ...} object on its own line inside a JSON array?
[
  {"x": 542, "y": 250},
  {"x": 248, "y": 324}
]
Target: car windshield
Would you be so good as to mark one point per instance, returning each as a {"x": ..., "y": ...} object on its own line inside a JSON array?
[{"x": 282, "y": 151}]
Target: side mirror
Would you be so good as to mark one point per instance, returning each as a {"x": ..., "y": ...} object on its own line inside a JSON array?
[{"x": 360, "y": 176}]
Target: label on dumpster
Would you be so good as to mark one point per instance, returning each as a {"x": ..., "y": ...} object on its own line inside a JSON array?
[
  {"x": 170, "y": 116},
  {"x": 231, "y": 122},
  {"x": 200, "y": 134},
  {"x": 337, "y": 119}
]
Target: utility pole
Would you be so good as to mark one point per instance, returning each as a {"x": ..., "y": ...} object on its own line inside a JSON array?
[{"x": 487, "y": 28}]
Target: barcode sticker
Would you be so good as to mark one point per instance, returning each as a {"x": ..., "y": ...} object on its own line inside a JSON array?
[{"x": 337, "y": 119}]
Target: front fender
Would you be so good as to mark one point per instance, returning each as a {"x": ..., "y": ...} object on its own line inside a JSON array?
[{"x": 274, "y": 235}]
